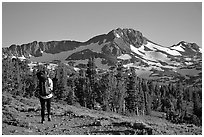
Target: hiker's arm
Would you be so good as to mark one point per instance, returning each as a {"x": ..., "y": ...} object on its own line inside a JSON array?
[{"x": 50, "y": 84}]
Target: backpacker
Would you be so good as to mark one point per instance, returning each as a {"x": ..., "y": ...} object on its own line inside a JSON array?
[{"x": 45, "y": 84}]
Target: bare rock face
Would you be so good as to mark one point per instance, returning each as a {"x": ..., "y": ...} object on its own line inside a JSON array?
[
  {"x": 37, "y": 48},
  {"x": 130, "y": 36}
]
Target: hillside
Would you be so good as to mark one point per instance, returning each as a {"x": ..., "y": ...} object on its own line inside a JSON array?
[
  {"x": 21, "y": 116},
  {"x": 154, "y": 89}
]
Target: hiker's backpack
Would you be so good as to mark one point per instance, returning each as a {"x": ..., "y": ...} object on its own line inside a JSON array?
[
  {"x": 44, "y": 89},
  {"x": 48, "y": 90}
]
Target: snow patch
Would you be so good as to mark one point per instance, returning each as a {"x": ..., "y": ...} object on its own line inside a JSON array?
[
  {"x": 124, "y": 57},
  {"x": 200, "y": 50},
  {"x": 193, "y": 50},
  {"x": 154, "y": 57},
  {"x": 141, "y": 71},
  {"x": 150, "y": 55},
  {"x": 22, "y": 58},
  {"x": 134, "y": 49},
  {"x": 32, "y": 64},
  {"x": 159, "y": 65},
  {"x": 188, "y": 59},
  {"x": 155, "y": 47},
  {"x": 128, "y": 65},
  {"x": 117, "y": 35},
  {"x": 76, "y": 69},
  {"x": 185, "y": 43},
  {"x": 175, "y": 63},
  {"x": 52, "y": 66},
  {"x": 178, "y": 48},
  {"x": 188, "y": 63},
  {"x": 13, "y": 57}
]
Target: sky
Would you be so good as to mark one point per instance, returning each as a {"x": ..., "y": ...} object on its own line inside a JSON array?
[{"x": 163, "y": 23}]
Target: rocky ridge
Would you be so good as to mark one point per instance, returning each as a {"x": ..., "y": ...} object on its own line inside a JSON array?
[{"x": 182, "y": 61}]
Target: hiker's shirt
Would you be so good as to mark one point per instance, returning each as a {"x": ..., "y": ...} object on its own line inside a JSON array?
[{"x": 48, "y": 89}]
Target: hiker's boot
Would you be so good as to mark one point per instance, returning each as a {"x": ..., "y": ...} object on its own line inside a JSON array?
[
  {"x": 49, "y": 118},
  {"x": 42, "y": 121}
]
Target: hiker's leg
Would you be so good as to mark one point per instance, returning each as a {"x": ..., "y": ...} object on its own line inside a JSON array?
[
  {"x": 49, "y": 109},
  {"x": 42, "y": 102}
]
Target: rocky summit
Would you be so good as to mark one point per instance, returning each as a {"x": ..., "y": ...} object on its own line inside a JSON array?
[{"x": 179, "y": 62}]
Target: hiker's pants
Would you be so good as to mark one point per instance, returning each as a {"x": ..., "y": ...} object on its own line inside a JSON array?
[{"x": 48, "y": 103}]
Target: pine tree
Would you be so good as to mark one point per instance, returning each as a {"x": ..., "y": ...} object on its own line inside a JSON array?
[
  {"x": 105, "y": 88},
  {"x": 140, "y": 98},
  {"x": 80, "y": 89},
  {"x": 131, "y": 102},
  {"x": 31, "y": 84},
  {"x": 190, "y": 94},
  {"x": 157, "y": 98},
  {"x": 16, "y": 77},
  {"x": 7, "y": 80},
  {"x": 15, "y": 74},
  {"x": 61, "y": 90},
  {"x": 91, "y": 81},
  {"x": 121, "y": 96},
  {"x": 146, "y": 97},
  {"x": 162, "y": 91},
  {"x": 197, "y": 102},
  {"x": 151, "y": 93},
  {"x": 179, "y": 97},
  {"x": 20, "y": 73},
  {"x": 120, "y": 93},
  {"x": 113, "y": 92}
]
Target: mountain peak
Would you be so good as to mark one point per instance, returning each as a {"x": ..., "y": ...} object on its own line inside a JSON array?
[
  {"x": 127, "y": 31},
  {"x": 131, "y": 36},
  {"x": 189, "y": 46}
]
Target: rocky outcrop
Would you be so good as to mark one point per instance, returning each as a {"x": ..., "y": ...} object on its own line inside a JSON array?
[{"x": 37, "y": 48}]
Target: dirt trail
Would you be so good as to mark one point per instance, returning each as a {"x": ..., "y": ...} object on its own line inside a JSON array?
[{"x": 22, "y": 117}]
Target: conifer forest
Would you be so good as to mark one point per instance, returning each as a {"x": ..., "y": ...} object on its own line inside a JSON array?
[{"x": 117, "y": 90}]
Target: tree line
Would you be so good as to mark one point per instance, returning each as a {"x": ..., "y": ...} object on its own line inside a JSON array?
[{"x": 118, "y": 90}]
